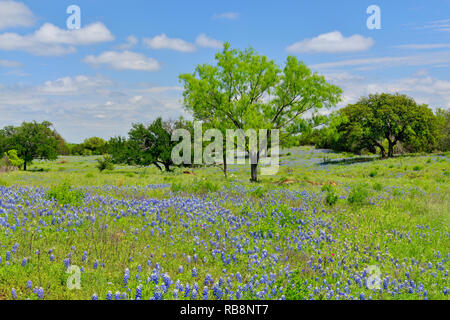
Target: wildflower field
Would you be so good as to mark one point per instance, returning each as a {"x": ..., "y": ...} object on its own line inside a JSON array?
[{"x": 317, "y": 230}]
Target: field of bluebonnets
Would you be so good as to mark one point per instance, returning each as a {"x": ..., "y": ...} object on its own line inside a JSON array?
[{"x": 314, "y": 231}]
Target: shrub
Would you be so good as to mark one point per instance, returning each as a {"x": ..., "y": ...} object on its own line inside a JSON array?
[
  {"x": 373, "y": 173},
  {"x": 358, "y": 194},
  {"x": 10, "y": 161},
  {"x": 14, "y": 159},
  {"x": 331, "y": 198},
  {"x": 66, "y": 195},
  {"x": 377, "y": 186},
  {"x": 257, "y": 192},
  {"x": 105, "y": 164}
]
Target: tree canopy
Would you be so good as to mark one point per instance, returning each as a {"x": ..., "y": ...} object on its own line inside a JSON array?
[
  {"x": 147, "y": 144},
  {"x": 245, "y": 90},
  {"x": 32, "y": 140},
  {"x": 386, "y": 117}
]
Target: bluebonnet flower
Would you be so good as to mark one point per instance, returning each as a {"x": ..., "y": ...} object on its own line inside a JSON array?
[
  {"x": 157, "y": 295},
  {"x": 24, "y": 262},
  {"x": 139, "y": 292},
  {"x": 8, "y": 255},
  {"x": 126, "y": 277},
  {"x": 52, "y": 257},
  {"x": 166, "y": 279},
  {"x": 29, "y": 284},
  {"x": 95, "y": 264},
  {"x": 109, "y": 295},
  {"x": 13, "y": 294},
  {"x": 40, "y": 293},
  {"x": 66, "y": 263},
  {"x": 117, "y": 296},
  {"x": 154, "y": 277},
  {"x": 94, "y": 296},
  {"x": 194, "y": 272},
  {"x": 187, "y": 289}
]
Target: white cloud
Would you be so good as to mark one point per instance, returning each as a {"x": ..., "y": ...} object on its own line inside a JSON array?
[
  {"x": 332, "y": 42},
  {"x": 438, "y": 25},
  {"x": 84, "y": 106},
  {"x": 93, "y": 33},
  {"x": 10, "y": 64},
  {"x": 136, "y": 99},
  {"x": 15, "y": 14},
  {"x": 421, "y": 86},
  {"x": 50, "y": 40},
  {"x": 382, "y": 62},
  {"x": 126, "y": 60},
  {"x": 74, "y": 85},
  {"x": 164, "y": 42},
  {"x": 226, "y": 15},
  {"x": 425, "y": 46},
  {"x": 204, "y": 41},
  {"x": 161, "y": 89},
  {"x": 130, "y": 43}
]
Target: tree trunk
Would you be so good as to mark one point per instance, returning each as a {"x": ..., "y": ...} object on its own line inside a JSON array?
[
  {"x": 225, "y": 165},
  {"x": 383, "y": 152},
  {"x": 254, "y": 172},
  {"x": 167, "y": 167},
  {"x": 157, "y": 165},
  {"x": 25, "y": 166},
  {"x": 391, "y": 149}
]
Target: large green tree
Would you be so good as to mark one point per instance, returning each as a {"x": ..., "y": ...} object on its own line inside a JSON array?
[
  {"x": 245, "y": 90},
  {"x": 146, "y": 145},
  {"x": 34, "y": 140},
  {"x": 443, "y": 118},
  {"x": 386, "y": 117}
]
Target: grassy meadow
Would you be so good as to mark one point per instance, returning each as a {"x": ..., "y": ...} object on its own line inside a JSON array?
[{"x": 316, "y": 230}]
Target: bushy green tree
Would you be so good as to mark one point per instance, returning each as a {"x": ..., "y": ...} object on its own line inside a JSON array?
[
  {"x": 106, "y": 163},
  {"x": 386, "y": 117},
  {"x": 245, "y": 90},
  {"x": 121, "y": 151},
  {"x": 12, "y": 159},
  {"x": 152, "y": 144},
  {"x": 34, "y": 140},
  {"x": 96, "y": 145},
  {"x": 443, "y": 139},
  {"x": 148, "y": 144}
]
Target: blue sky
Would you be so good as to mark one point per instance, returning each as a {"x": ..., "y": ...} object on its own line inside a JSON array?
[{"x": 122, "y": 65}]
